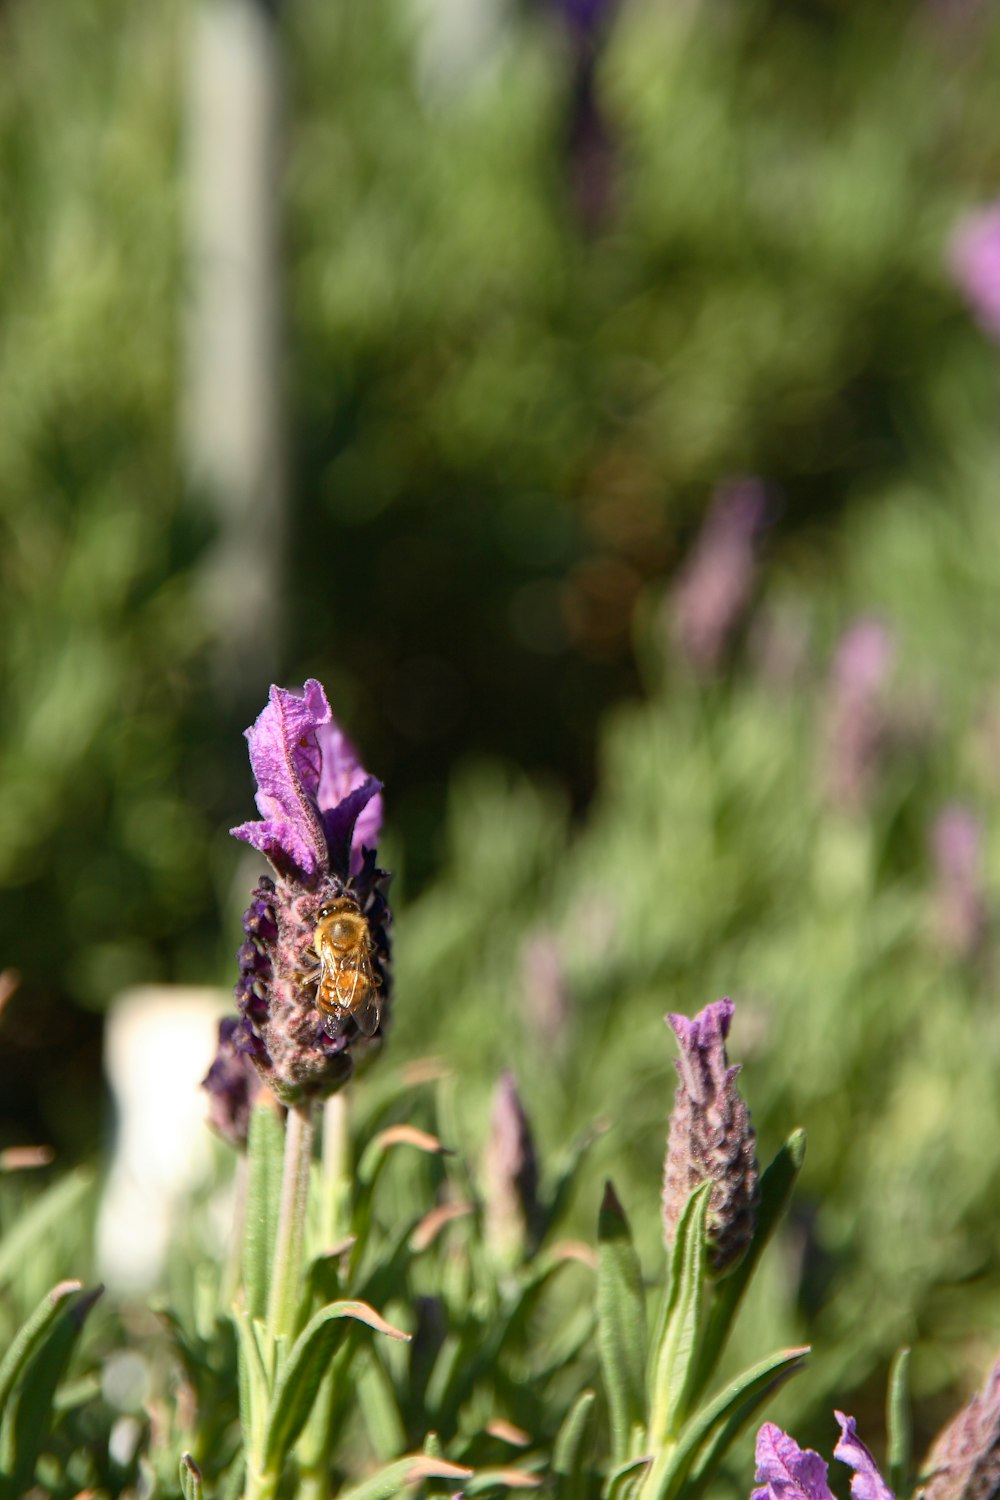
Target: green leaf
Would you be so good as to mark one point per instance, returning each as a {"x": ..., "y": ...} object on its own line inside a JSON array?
[
  {"x": 555, "y": 1200},
  {"x": 704, "y": 1441},
  {"x": 254, "y": 1381},
  {"x": 570, "y": 1456},
  {"x": 28, "y": 1415},
  {"x": 621, "y": 1326},
  {"x": 377, "y": 1400},
  {"x": 675, "y": 1359},
  {"x": 27, "y": 1339},
  {"x": 775, "y": 1190},
  {"x": 626, "y": 1479},
  {"x": 899, "y": 1428},
  {"x": 303, "y": 1371},
  {"x": 412, "y": 1469},
  {"x": 265, "y": 1157},
  {"x": 63, "y": 1200},
  {"x": 190, "y": 1479}
]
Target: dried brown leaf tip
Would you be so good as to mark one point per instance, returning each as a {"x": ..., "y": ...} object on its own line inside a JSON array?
[{"x": 711, "y": 1139}]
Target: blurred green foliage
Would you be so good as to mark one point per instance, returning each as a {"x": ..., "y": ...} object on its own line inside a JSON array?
[{"x": 505, "y": 425}]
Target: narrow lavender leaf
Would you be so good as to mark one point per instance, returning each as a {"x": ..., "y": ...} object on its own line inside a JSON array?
[{"x": 621, "y": 1325}]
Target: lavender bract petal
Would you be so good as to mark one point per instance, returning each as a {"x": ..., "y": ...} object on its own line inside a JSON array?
[
  {"x": 350, "y": 821},
  {"x": 867, "y": 1483},
  {"x": 787, "y": 1472},
  {"x": 287, "y": 763}
]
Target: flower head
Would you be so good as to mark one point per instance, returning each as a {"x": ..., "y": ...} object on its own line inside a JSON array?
[
  {"x": 787, "y": 1472},
  {"x": 321, "y": 816},
  {"x": 964, "y": 1461},
  {"x": 711, "y": 1138}
]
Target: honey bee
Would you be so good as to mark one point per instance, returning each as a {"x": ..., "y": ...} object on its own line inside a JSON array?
[{"x": 348, "y": 984}]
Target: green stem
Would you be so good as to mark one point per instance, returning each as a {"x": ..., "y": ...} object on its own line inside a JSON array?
[
  {"x": 286, "y": 1271},
  {"x": 313, "y": 1447},
  {"x": 233, "y": 1267},
  {"x": 336, "y": 1211}
]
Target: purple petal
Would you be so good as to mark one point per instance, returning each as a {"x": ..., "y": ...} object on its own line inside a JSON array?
[
  {"x": 709, "y": 1027},
  {"x": 787, "y": 1472},
  {"x": 342, "y": 773},
  {"x": 341, "y": 825},
  {"x": 867, "y": 1483},
  {"x": 286, "y": 761}
]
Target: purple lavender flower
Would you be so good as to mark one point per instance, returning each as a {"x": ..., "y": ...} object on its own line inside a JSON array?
[
  {"x": 233, "y": 1084},
  {"x": 716, "y": 585},
  {"x": 964, "y": 1461},
  {"x": 321, "y": 816},
  {"x": 856, "y": 728},
  {"x": 510, "y": 1174},
  {"x": 547, "y": 999},
  {"x": 958, "y": 909},
  {"x": 711, "y": 1139},
  {"x": 787, "y": 1472},
  {"x": 975, "y": 265}
]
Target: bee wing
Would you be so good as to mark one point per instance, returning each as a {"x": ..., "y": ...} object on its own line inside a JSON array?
[{"x": 368, "y": 1015}]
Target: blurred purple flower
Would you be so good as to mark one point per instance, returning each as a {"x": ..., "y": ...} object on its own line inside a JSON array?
[
  {"x": 958, "y": 902},
  {"x": 590, "y": 146},
  {"x": 787, "y": 1472},
  {"x": 232, "y": 1084},
  {"x": 548, "y": 1003},
  {"x": 975, "y": 264},
  {"x": 856, "y": 727},
  {"x": 510, "y": 1174},
  {"x": 321, "y": 817},
  {"x": 586, "y": 17},
  {"x": 716, "y": 585},
  {"x": 964, "y": 1461},
  {"x": 711, "y": 1138}
]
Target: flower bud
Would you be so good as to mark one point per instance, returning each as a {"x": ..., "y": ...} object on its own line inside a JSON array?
[
  {"x": 510, "y": 1175},
  {"x": 711, "y": 1139},
  {"x": 964, "y": 1461}
]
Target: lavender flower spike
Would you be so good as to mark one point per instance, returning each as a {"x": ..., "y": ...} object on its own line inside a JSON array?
[
  {"x": 321, "y": 815},
  {"x": 964, "y": 1461},
  {"x": 711, "y": 1139}
]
